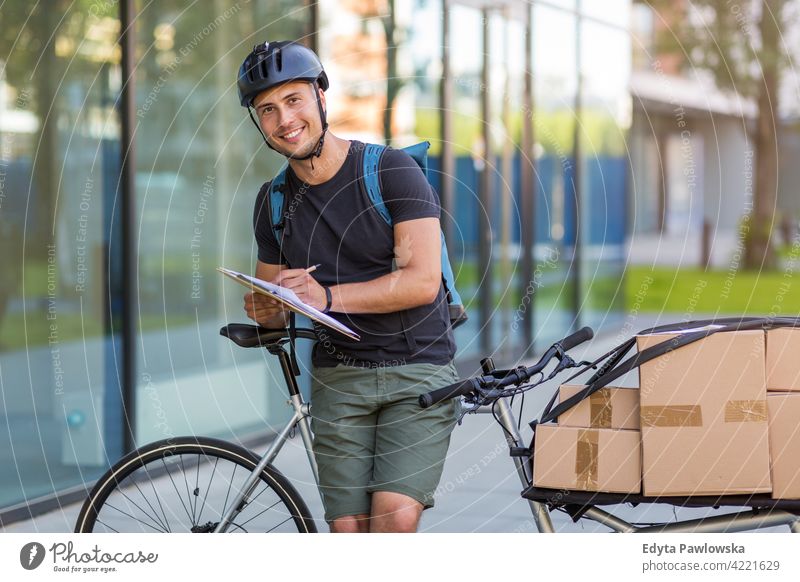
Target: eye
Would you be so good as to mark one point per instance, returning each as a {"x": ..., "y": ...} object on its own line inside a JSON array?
[{"x": 266, "y": 109}]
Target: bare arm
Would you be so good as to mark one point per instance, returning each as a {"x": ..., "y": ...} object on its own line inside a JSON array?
[{"x": 415, "y": 282}]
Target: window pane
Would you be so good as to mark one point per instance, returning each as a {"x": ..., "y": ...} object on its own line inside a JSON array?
[
  {"x": 466, "y": 62},
  {"x": 555, "y": 87},
  {"x": 606, "y": 65},
  {"x": 200, "y": 163},
  {"x": 59, "y": 170}
]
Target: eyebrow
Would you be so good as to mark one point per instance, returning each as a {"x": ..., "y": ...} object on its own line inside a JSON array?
[{"x": 289, "y": 96}]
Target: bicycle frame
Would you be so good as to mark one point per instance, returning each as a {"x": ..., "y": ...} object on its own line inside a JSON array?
[{"x": 302, "y": 412}]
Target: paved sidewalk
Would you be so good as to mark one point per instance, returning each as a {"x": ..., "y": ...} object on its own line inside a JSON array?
[{"x": 479, "y": 490}]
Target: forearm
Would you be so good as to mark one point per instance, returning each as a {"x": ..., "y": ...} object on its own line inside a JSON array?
[{"x": 396, "y": 291}]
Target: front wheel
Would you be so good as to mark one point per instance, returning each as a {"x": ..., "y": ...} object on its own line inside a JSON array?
[{"x": 187, "y": 484}]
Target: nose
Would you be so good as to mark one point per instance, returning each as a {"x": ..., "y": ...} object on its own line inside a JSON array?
[{"x": 285, "y": 119}]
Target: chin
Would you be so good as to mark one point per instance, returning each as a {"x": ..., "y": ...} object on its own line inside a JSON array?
[{"x": 304, "y": 150}]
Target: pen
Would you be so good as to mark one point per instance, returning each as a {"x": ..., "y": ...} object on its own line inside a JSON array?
[{"x": 313, "y": 268}]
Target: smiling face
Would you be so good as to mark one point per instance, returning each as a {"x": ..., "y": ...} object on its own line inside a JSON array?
[{"x": 289, "y": 117}]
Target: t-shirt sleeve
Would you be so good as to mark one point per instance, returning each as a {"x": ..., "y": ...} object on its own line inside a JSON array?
[
  {"x": 268, "y": 250},
  {"x": 404, "y": 188}
]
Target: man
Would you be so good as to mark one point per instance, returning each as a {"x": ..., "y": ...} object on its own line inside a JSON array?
[{"x": 379, "y": 454}]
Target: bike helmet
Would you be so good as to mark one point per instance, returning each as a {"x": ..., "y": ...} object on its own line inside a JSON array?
[{"x": 275, "y": 63}]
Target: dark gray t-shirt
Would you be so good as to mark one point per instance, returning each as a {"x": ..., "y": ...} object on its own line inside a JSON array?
[{"x": 335, "y": 225}]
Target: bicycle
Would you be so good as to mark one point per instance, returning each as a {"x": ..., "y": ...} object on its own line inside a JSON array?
[{"x": 140, "y": 492}]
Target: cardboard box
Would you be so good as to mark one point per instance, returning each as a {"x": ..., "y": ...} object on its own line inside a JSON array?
[
  {"x": 609, "y": 407},
  {"x": 783, "y": 359},
  {"x": 704, "y": 416},
  {"x": 587, "y": 459},
  {"x": 784, "y": 444}
]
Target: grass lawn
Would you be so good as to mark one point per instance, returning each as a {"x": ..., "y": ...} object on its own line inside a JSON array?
[{"x": 674, "y": 290}]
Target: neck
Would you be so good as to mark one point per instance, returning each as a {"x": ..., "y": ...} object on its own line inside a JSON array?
[{"x": 334, "y": 152}]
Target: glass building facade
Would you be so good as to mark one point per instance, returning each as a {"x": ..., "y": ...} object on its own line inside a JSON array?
[{"x": 128, "y": 173}]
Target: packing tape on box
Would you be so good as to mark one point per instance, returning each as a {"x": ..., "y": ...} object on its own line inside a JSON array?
[
  {"x": 691, "y": 415},
  {"x": 586, "y": 459},
  {"x": 746, "y": 411},
  {"x": 670, "y": 416},
  {"x": 600, "y": 407}
]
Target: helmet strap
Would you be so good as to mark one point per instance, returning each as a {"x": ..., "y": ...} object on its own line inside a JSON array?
[{"x": 258, "y": 127}]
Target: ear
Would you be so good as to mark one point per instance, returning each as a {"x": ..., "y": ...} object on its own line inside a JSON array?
[{"x": 321, "y": 95}]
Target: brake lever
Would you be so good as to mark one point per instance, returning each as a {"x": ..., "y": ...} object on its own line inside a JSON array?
[
  {"x": 563, "y": 364},
  {"x": 466, "y": 411},
  {"x": 566, "y": 363}
]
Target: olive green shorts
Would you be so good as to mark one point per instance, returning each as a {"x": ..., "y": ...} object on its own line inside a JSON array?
[{"x": 370, "y": 433}]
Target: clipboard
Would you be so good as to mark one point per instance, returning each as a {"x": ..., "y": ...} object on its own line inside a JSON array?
[{"x": 290, "y": 300}]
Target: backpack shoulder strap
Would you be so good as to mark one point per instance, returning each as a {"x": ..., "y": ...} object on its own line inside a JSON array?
[
  {"x": 277, "y": 201},
  {"x": 370, "y": 164},
  {"x": 371, "y": 159}
]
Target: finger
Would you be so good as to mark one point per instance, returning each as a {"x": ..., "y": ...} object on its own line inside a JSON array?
[
  {"x": 261, "y": 314},
  {"x": 264, "y": 300},
  {"x": 289, "y": 274},
  {"x": 296, "y": 285}
]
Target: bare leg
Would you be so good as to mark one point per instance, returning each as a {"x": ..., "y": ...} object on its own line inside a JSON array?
[
  {"x": 394, "y": 512},
  {"x": 351, "y": 524}
]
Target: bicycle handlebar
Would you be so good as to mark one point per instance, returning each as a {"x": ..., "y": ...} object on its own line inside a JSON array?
[
  {"x": 517, "y": 376},
  {"x": 577, "y": 338},
  {"x": 441, "y": 394}
]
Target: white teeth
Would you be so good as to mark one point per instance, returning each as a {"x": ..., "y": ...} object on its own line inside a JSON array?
[{"x": 295, "y": 133}]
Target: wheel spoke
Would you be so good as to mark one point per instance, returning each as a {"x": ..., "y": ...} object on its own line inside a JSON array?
[
  {"x": 280, "y": 524},
  {"x": 210, "y": 479},
  {"x": 209, "y": 474},
  {"x": 262, "y": 513},
  {"x": 155, "y": 513},
  {"x": 106, "y": 525},
  {"x": 178, "y": 493},
  {"x": 196, "y": 490},
  {"x": 154, "y": 519},
  {"x": 134, "y": 518},
  {"x": 188, "y": 493},
  {"x": 158, "y": 498},
  {"x": 230, "y": 483}
]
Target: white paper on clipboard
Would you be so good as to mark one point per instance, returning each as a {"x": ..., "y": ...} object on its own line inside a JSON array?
[{"x": 288, "y": 298}]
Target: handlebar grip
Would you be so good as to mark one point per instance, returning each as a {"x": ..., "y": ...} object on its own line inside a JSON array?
[
  {"x": 577, "y": 338},
  {"x": 461, "y": 388}
]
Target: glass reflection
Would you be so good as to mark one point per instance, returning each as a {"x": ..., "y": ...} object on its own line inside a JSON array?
[
  {"x": 60, "y": 419},
  {"x": 555, "y": 90},
  {"x": 200, "y": 163},
  {"x": 605, "y": 117}
]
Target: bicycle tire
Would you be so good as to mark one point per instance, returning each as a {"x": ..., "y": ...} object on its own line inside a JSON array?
[{"x": 156, "y": 465}]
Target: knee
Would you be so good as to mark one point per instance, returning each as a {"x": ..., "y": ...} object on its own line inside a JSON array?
[
  {"x": 393, "y": 512},
  {"x": 350, "y": 524},
  {"x": 400, "y": 521}
]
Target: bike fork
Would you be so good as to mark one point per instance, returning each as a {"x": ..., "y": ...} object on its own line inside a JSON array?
[{"x": 539, "y": 511}]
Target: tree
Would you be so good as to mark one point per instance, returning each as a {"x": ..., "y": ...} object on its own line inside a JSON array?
[{"x": 741, "y": 43}]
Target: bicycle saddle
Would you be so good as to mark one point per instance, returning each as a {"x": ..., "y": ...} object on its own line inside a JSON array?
[{"x": 254, "y": 336}]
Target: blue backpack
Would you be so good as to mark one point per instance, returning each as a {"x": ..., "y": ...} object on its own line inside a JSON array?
[{"x": 370, "y": 182}]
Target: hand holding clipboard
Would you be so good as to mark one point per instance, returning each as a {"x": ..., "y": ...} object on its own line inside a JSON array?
[{"x": 289, "y": 299}]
